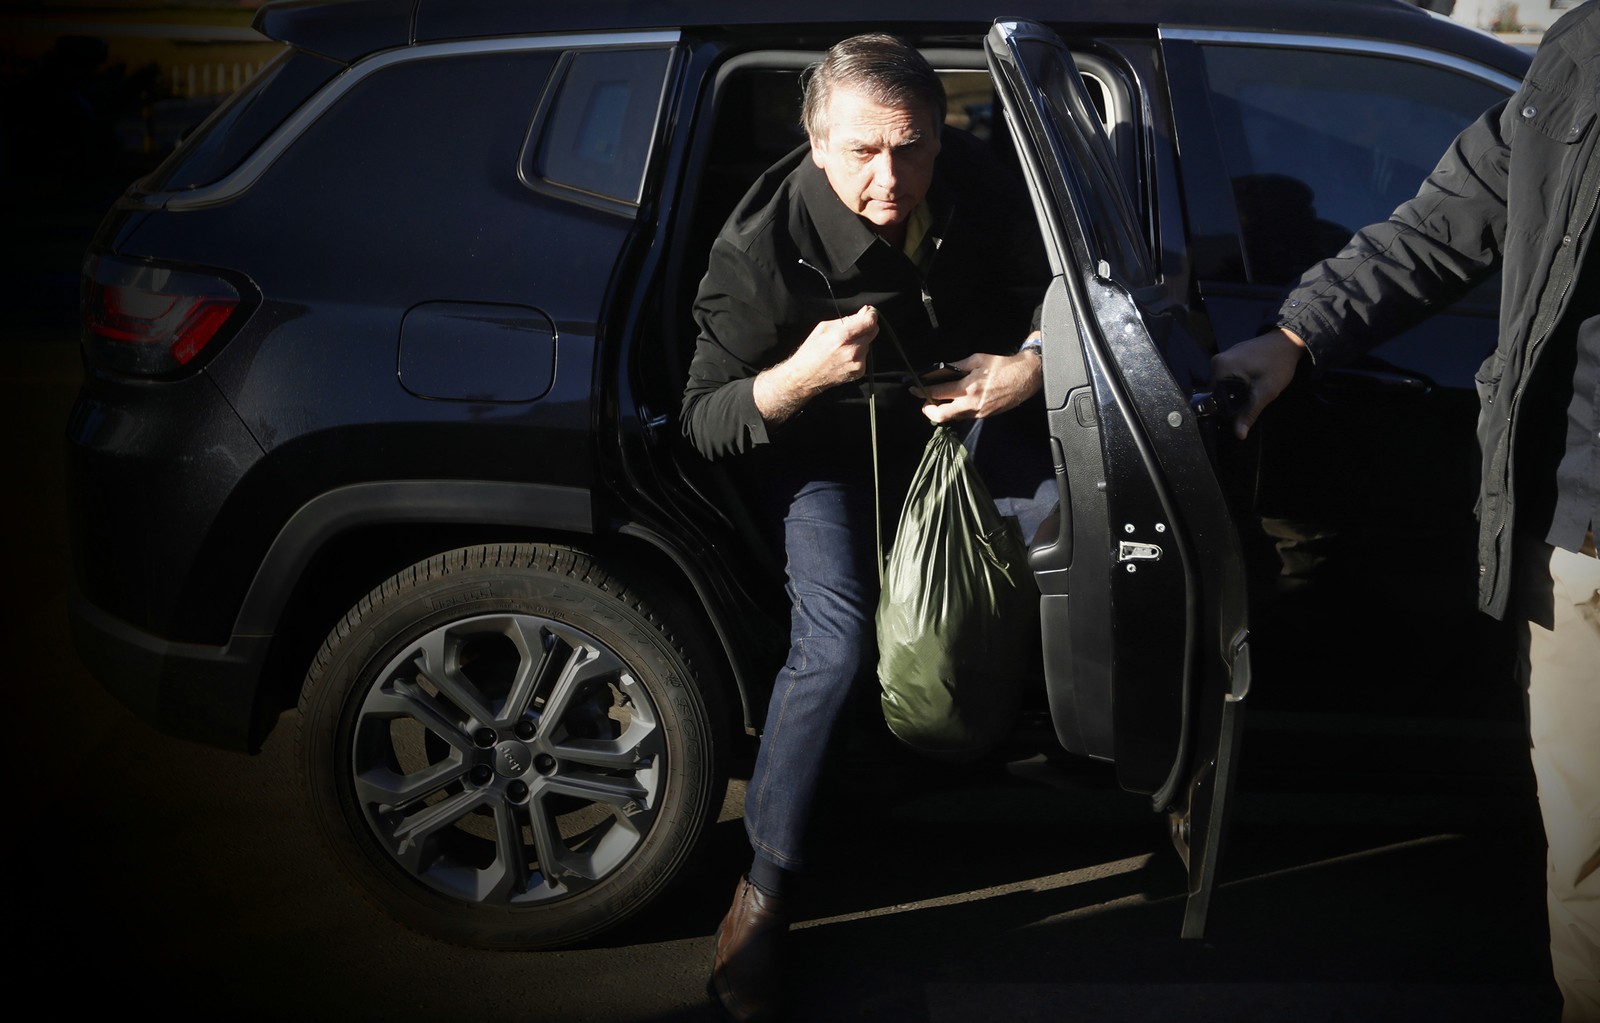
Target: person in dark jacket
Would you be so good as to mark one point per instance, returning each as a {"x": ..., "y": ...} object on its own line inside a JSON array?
[
  {"x": 887, "y": 243},
  {"x": 1517, "y": 191}
]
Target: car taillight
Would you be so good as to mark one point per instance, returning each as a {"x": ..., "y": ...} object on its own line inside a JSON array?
[{"x": 148, "y": 319}]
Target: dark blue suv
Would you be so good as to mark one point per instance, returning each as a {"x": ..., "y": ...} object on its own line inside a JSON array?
[{"x": 383, "y": 367}]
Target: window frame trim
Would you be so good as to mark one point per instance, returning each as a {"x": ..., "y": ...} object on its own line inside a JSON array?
[
  {"x": 1345, "y": 44},
  {"x": 243, "y": 177},
  {"x": 539, "y": 124}
]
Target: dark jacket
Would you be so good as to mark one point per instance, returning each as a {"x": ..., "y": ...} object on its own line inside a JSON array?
[
  {"x": 759, "y": 301},
  {"x": 1506, "y": 195}
]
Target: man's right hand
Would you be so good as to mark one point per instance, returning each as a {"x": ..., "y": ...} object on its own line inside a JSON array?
[
  {"x": 1267, "y": 363},
  {"x": 835, "y": 352}
]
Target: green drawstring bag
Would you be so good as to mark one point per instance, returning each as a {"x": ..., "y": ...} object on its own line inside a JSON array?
[{"x": 958, "y": 612}]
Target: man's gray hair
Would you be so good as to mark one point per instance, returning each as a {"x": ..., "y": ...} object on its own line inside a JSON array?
[{"x": 885, "y": 69}]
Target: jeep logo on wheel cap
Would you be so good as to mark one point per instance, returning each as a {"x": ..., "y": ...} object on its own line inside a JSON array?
[{"x": 512, "y": 760}]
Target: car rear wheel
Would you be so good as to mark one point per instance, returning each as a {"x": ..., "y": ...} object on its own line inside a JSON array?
[{"x": 503, "y": 747}]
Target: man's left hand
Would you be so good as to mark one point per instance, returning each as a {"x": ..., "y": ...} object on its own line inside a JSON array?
[{"x": 993, "y": 384}]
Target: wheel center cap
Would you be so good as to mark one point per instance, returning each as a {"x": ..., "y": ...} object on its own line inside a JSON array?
[{"x": 512, "y": 760}]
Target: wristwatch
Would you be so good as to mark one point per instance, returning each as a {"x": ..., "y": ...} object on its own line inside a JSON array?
[{"x": 1034, "y": 345}]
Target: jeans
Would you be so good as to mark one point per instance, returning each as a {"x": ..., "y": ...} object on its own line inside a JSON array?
[{"x": 828, "y": 536}]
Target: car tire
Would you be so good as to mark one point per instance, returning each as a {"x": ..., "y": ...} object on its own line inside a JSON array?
[{"x": 503, "y": 747}]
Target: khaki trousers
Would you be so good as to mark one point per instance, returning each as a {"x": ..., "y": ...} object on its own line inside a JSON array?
[{"x": 1563, "y": 686}]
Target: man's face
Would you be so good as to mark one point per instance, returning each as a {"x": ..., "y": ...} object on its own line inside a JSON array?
[{"x": 878, "y": 159}]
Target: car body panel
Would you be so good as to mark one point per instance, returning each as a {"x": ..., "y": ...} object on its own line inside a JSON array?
[
  {"x": 468, "y": 268},
  {"x": 223, "y": 522}
]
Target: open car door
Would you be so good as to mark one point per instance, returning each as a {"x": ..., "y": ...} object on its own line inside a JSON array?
[{"x": 1140, "y": 572}]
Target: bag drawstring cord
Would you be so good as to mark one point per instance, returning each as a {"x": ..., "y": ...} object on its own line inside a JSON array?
[{"x": 886, "y": 329}]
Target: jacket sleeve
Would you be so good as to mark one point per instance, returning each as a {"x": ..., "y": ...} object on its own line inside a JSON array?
[
  {"x": 1430, "y": 251},
  {"x": 739, "y": 336}
]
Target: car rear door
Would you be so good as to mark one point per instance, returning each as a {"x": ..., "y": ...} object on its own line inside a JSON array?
[
  {"x": 1141, "y": 581},
  {"x": 1291, "y": 142}
]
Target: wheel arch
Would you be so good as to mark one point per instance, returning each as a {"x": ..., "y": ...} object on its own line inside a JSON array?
[{"x": 340, "y": 545}]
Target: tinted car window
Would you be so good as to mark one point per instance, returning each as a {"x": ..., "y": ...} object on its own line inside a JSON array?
[
  {"x": 1320, "y": 144},
  {"x": 223, "y": 141},
  {"x": 595, "y": 135}
]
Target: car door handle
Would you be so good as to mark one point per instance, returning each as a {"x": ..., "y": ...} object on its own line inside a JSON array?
[
  {"x": 653, "y": 423},
  {"x": 1230, "y": 397},
  {"x": 1358, "y": 385}
]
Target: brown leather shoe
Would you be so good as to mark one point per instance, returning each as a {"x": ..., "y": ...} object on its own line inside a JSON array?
[{"x": 746, "y": 973}]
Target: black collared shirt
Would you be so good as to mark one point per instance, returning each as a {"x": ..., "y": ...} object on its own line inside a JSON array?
[{"x": 792, "y": 254}]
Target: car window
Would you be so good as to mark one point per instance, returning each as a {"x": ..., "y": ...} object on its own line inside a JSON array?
[
  {"x": 1319, "y": 144},
  {"x": 969, "y": 96},
  {"x": 594, "y": 135}
]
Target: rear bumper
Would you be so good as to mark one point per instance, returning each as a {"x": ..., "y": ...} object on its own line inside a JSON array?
[{"x": 209, "y": 694}]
